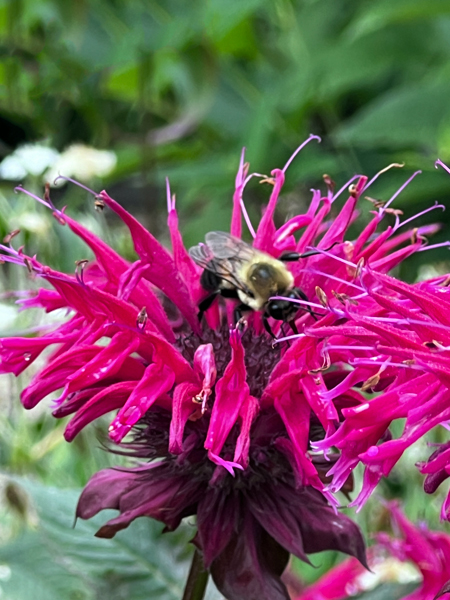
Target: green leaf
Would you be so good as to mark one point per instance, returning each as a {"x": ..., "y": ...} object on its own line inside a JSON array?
[
  {"x": 57, "y": 561},
  {"x": 409, "y": 115},
  {"x": 388, "y": 591},
  {"x": 381, "y": 14}
]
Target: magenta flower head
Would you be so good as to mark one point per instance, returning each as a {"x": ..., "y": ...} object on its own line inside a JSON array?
[{"x": 229, "y": 424}]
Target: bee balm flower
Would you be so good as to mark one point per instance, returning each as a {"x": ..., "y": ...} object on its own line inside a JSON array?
[{"x": 226, "y": 424}]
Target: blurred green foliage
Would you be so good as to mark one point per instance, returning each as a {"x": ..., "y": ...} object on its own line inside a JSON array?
[{"x": 177, "y": 89}]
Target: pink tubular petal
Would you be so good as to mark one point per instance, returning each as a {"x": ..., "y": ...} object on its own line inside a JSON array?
[
  {"x": 386, "y": 264},
  {"x": 229, "y": 465},
  {"x": 295, "y": 413},
  {"x": 342, "y": 221},
  {"x": 114, "y": 267},
  {"x": 157, "y": 380},
  {"x": 105, "y": 363},
  {"x": 372, "y": 477},
  {"x": 364, "y": 236},
  {"x": 334, "y": 585},
  {"x": 308, "y": 236},
  {"x": 248, "y": 413},
  {"x": 110, "y": 398},
  {"x": 265, "y": 234},
  {"x": 438, "y": 309},
  {"x": 420, "y": 550},
  {"x": 232, "y": 392},
  {"x": 19, "y": 353},
  {"x": 436, "y": 464},
  {"x": 375, "y": 249},
  {"x": 419, "y": 421},
  {"x": 91, "y": 302},
  {"x": 183, "y": 406},
  {"x": 167, "y": 354},
  {"x": 46, "y": 299},
  {"x": 291, "y": 227},
  {"x": 314, "y": 390},
  {"x": 162, "y": 272},
  {"x": 205, "y": 365},
  {"x": 184, "y": 263},
  {"x": 54, "y": 375},
  {"x": 236, "y": 217}
]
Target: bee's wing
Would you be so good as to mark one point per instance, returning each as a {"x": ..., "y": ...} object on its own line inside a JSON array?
[
  {"x": 224, "y": 254},
  {"x": 226, "y": 246}
]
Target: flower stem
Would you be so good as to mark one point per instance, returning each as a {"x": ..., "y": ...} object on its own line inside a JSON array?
[{"x": 197, "y": 579}]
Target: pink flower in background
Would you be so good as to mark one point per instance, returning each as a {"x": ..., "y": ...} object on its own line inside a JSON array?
[
  {"x": 413, "y": 553},
  {"x": 241, "y": 428}
]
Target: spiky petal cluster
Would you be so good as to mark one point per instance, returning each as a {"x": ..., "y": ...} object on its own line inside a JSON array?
[{"x": 133, "y": 344}]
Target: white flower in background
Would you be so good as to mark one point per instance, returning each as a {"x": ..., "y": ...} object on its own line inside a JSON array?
[
  {"x": 77, "y": 161},
  {"x": 81, "y": 162},
  {"x": 29, "y": 159}
]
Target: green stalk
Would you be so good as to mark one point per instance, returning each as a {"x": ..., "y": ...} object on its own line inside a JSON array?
[{"x": 197, "y": 579}]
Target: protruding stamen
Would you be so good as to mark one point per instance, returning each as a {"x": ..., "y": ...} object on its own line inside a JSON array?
[
  {"x": 359, "y": 268},
  {"x": 398, "y": 192},
  {"x": 375, "y": 177},
  {"x": 58, "y": 214},
  {"x": 99, "y": 203},
  {"x": 353, "y": 190},
  {"x": 47, "y": 196},
  {"x": 141, "y": 319},
  {"x": 423, "y": 212},
  {"x": 338, "y": 258},
  {"x": 241, "y": 325},
  {"x": 75, "y": 182},
  {"x": 329, "y": 183},
  {"x": 40, "y": 200},
  {"x": 343, "y": 298},
  {"x": 371, "y": 382},
  {"x": 407, "y": 364},
  {"x": 269, "y": 180},
  {"x": 433, "y": 246},
  {"x": 8, "y": 237},
  {"x": 311, "y": 137},
  {"x": 247, "y": 218},
  {"x": 29, "y": 265},
  {"x": 325, "y": 365},
  {"x": 323, "y": 299},
  {"x": 345, "y": 187},
  {"x": 331, "y": 347},
  {"x": 170, "y": 198},
  {"x": 328, "y": 276},
  {"x": 439, "y": 163},
  {"x": 375, "y": 202},
  {"x": 287, "y": 338},
  {"x": 79, "y": 270},
  {"x": 242, "y": 180}
]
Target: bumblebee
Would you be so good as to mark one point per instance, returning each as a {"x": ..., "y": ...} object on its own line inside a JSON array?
[{"x": 234, "y": 269}]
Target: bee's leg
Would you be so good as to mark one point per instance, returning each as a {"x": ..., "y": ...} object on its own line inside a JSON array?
[
  {"x": 293, "y": 326},
  {"x": 267, "y": 326},
  {"x": 293, "y": 256},
  {"x": 304, "y": 297},
  {"x": 206, "y": 303},
  {"x": 239, "y": 316}
]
